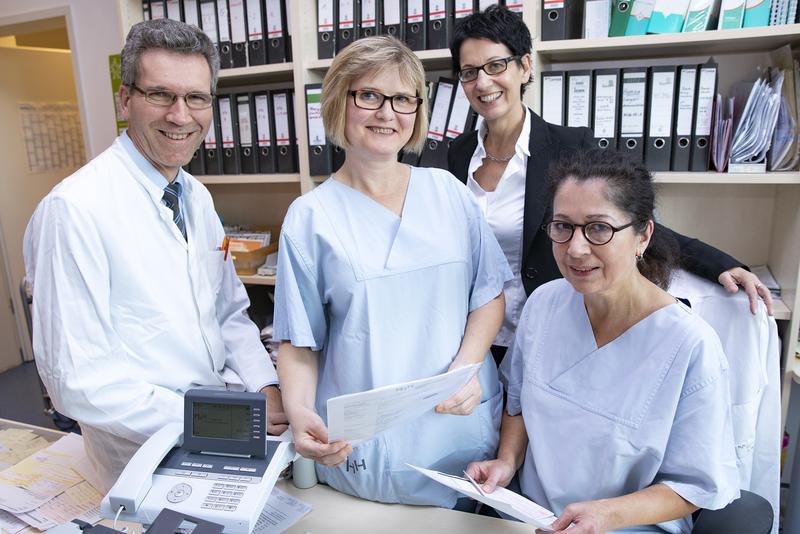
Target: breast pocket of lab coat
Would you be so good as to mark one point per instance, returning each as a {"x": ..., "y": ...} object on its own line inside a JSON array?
[{"x": 215, "y": 269}]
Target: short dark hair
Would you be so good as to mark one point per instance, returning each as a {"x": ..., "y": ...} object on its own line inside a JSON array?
[
  {"x": 497, "y": 24},
  {"x": 170, "y": 35},
  {"x": 630, "y": 189}
]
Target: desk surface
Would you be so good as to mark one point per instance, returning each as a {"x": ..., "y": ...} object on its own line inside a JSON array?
[{"x": 334, "y": 512}]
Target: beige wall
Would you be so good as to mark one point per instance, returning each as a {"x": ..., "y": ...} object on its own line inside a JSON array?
[
  {"x": 95, "y": 32},
  {"x": 29, "y": 76}
]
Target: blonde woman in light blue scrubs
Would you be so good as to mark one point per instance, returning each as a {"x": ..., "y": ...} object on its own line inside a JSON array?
[{"x": 387, "y": 273}]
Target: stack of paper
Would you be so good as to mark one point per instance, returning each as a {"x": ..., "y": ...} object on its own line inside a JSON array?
[
  {"x": 18, "y": 443},
  {"x": 752, "y": 137},
  {"x": 721, "y": 129},
  {"x": 785, "y": 153},
  {"x": 44, "y": 489},
  {"x": 249, "y": 241}
]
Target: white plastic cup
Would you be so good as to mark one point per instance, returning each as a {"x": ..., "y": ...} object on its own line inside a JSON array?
[{"x": 304, "y": 473}]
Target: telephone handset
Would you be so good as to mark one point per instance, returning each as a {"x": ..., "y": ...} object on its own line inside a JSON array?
[
  {"x": 135, "y": 481},
  {"x": 219, "y": 465}
]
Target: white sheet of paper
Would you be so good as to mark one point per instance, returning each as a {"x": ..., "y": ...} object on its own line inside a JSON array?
[
  {"x": 501, "y": 499},
  {"x": 281, "y": 512},
  {"x": 10, "y": 524},
  {"x": 357, "y": 417}
]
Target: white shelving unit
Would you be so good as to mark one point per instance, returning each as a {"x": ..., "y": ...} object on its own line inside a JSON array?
[{"x": 755, "y": 217}]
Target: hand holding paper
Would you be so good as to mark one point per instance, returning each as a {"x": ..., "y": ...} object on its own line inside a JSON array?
[
  {"x": 358, "y": 417},
  {"x": 501, "y": 499}
]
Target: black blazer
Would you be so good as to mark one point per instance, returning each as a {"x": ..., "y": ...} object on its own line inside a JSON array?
[{"x": 547, "y": 143}]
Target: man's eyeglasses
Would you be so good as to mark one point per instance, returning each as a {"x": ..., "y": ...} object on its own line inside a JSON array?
[
  {"x": 492, "y": 68},
  {"x": 368, "y": 99},
  {"x": 596, "y": 233},
  {"x": 162, "y": 97}
]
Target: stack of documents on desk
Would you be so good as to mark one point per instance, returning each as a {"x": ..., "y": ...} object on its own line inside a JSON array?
[
  {"x": 18, "y": 443},
  {"x": 358, "y": 417},
  {"x": 45, "y": 490},
  {"x": 500, "y": 499},
  {"x": 752, "y": 137}
]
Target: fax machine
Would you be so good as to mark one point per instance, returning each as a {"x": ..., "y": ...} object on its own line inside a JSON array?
[{"x": 219, "y": 466}]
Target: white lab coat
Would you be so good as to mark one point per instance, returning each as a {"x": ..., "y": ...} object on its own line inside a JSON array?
[
  {"x": 126, "y": 314},
  {"x": 385, "y": 299},
  {"x": 651, "y": 406}
]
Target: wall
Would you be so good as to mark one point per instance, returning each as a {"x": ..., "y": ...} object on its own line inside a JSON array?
[
  {"x": 95, "y": 32},
  {"x": 35, "y": 76}
]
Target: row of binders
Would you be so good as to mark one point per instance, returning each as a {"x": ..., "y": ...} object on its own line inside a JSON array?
[
  {"x": 251, "y": 133},
  {"x": 592, "y": 19},
  {"x": 421, "y": 24},
  {"x": 657, "y": 115},
  {"x": 450, "y": 116},
  {"x": 246, "y": 32}
]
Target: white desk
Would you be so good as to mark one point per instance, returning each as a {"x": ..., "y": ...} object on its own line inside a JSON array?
[{"x": 335, "y": 512}]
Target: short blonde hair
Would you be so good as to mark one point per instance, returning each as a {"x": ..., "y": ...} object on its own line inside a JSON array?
[{"x": 364, "y": 57}]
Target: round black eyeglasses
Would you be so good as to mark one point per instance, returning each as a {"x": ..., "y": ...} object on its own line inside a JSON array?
[
  {"x": 596, "y": 233},
  {"x": 372, "y": 100}
]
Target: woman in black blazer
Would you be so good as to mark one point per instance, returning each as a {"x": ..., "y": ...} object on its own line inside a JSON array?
[{"x": 491, "y": 54}]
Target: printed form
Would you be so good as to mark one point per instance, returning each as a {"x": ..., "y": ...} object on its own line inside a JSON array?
[{"x": 357, "y": 417}]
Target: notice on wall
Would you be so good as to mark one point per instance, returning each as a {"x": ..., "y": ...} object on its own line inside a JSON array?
[{"x": 52, "y": 134}]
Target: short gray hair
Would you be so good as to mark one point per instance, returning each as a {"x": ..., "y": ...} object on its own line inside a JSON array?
[{"x": 170, "y": 35}]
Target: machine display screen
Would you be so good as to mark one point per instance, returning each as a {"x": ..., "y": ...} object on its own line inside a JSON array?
[{"x": 221, "y": 421}]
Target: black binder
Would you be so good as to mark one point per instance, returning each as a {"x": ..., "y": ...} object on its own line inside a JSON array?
[
  {"x": 319, "y": 149},
  {"x": 190, "y": 12},
  {"x": 256, "y": 46},
  {"x": 224, "y": 29},
  {"x": 338, "y": 158},
  {"x": 276, "y": 31},
  {"x": 370, "y": 17},
  {"x": 394, "y": 18},
  {"x": 326, "y": 28},
  {"x": 661, "y": 106},
  {"x": 196, "y": 166},
  {"x": 346, "y": 29},
  {"x": 440, "y": 23},
  {"x": 245, "y": 112},
  {"x": 230, "y": 135},
  {"x": 288, "y": 30},
  {"x": 208, "y": 20},
  {"x": 265, "y": 150},
  {"x": 173, "y": 10},
  {"x": 562, "y": 19},
  {"x": 211, "y": 145},
  {"x": 554, "y": 97},
  {"x": 158, "y": 9},
  {"x": 684, "y": 118},
  {"x": 237, "y": 14},
  {"x": 605, "y": 108},
  {"x": 461, "y": 116},
  {"x": 633, "y": 110},
  {"x": 462, "y": 9},
  {"x": 706, "y": 92},
  {"x": 416, "y": 24},
  {"x": 434, "y": 153},
  {"x": 579, "y": 98},
  {"x": 283, "y": 118}
]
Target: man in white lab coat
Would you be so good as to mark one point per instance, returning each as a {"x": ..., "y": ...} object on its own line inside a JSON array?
[{"x": 134, "y": 300}]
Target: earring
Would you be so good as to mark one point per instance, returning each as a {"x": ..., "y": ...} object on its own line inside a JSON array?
[{"x": 639, "y": 257}]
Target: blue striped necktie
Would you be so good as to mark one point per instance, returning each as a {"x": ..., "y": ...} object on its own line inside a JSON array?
[{"x": 171, "y": 195}]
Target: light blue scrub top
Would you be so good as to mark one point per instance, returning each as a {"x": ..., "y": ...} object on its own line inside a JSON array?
[
  {"x": 651, "y": 406},
  {"x": 385, "y": 299}
]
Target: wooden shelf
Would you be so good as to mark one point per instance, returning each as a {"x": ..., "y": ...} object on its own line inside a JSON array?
[
  {"x": 249, "y": 179},
  {"x": 671, "y": 44},
  {"x": 722, "y": 178},
  {"x": 432, "y": 60},
  {"x": 257, "y": 280},
  {"x": 276, "y": 72},
  {"x": 781, "y": 310}
]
